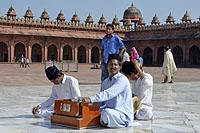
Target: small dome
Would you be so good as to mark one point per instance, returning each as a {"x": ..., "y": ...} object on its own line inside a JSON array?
[
  {"x": 11, "y": 12},
  {"x": 44, "y": 15},
  {"x": 141, "y": 22},
  {"x": 75, "y": 18},
  {"x": 155, "y": 20},
  {"x": 89, "y": 19},
  {"x": 128, "y": 22},
  {"x": 102, "y": 20},
  {"x": 115, "y": 21},
  {"x": 28, "y": 13},
  {"x": 198, "y": 18},
  {"x": 132, "y": 13},
  {"x": 61, "y": 16},
  {"x": 170, "y": 19},
  {"x": 186, "y": 17}
]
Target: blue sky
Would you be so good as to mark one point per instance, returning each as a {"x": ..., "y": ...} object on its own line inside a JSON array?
[{"x": 109, "y": 8}]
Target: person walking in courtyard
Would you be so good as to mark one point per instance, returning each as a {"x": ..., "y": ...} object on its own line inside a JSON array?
[
  {"x": 22, "y": 61},
  {"x": 65, "y": 87},
  {"x": 169, "y": 66},
  {"x": 111, "y": 44},
  {"x": 115, "y": 97},
  {"x": 27, "y": 62},
  {"x": 142, "y": 89}
]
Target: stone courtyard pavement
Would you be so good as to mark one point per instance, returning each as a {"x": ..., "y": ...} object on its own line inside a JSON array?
[{"x": 176, "y": 106}]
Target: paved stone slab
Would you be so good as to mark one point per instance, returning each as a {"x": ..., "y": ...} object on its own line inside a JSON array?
[
  {"x": 174, "y": 109},
  {"x": 13, "y": 75},
  {"x": 176, "y": 106}
]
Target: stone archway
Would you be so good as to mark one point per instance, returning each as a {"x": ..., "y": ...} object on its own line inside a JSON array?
[
  {"x": 36, "y": 53},
  {"x": 178, "y": 55},
  {"x": 160, "y": 56},
  {"x": 67, "y": 52},
  {"x": 19, "y": 51},
  {"x": 81, "y": 54},
  {"x": 3, "y": 52},
  {"x": 148, "y": 56},
  {"x": 194, "y": 55},
  {"x": 95, "y": 55},
  {"x": 52, "y": 53}
]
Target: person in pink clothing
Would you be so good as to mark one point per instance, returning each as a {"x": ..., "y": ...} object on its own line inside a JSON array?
[{"x": 135, "y": 56}]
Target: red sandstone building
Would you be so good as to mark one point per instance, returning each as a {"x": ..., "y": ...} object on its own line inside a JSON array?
[{"x": 41, "y": 39}]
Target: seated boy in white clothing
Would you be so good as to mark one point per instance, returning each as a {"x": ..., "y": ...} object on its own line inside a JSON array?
[
  {"x": 142, "y": 86},
  {"x": 65, "y": 87}
]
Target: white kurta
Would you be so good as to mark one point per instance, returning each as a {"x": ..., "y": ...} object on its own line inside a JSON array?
[
  {"x": 126, "y": 57},
  {"x": 67, "y": 90},
  {"x": 143, "y": 89},
  {"x": 169, "y": 66},
  {"x": 116, "y": 101}
]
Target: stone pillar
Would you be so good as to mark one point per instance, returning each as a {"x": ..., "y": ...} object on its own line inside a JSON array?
[
  {"x": 45, "y": 50},
  {"x": 186, "y": 61},
  {"x": 43, "y": 59},
  {"x": 26, "y": 51},
  {"x": 45, "y": 53},
  {"x": 11, "y": 52},
  {"x": 61, "y": 52},
  {"x": 89, "y": 54},
  {"x": 29, "y": 55},
  {"x": 155, "y": 50},
  {"x": 58, "y": 53},
  {"x": 75, "y": 54},
  {"x": 100, "y": 56}
]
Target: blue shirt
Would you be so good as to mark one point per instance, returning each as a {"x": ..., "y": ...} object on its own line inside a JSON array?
[
  {"x": 116, "y": 94},
  {"x": 111, "y": 46}
]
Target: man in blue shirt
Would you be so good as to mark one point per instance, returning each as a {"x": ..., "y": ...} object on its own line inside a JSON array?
[
  {"x": 111, "y": 44},
  {"x": 115, "y": 97}
]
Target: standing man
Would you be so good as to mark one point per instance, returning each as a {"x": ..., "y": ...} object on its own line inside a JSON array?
[
  {"x": 111, "y": 44},
  {"x": 125, "y": 57},
  {"x": 142, "y": 87},
  {"x": 169, "y": 66},
  {"x": 65, "y": 87},
  {"x": 22, "y": 61},
  {"x": 115, "y": 97},
  {"x": 27, "y": 62}
]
